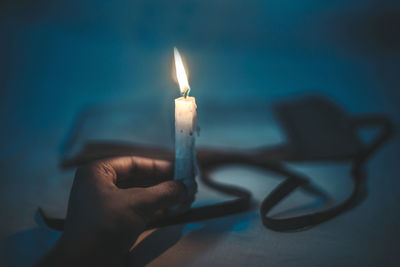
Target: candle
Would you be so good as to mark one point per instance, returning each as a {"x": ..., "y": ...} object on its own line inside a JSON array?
[{"x": 185, "y": 128}]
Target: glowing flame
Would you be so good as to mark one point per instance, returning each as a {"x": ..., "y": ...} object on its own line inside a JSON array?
[{"x": 181, "y": 73}]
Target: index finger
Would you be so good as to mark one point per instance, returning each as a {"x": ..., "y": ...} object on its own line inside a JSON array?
[{"x": 139, "y": 171}]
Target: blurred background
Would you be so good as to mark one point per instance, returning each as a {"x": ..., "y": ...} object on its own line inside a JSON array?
[{"x": 59, "y": 57}]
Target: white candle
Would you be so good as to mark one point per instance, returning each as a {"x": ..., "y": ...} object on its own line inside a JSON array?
[{"x": 185, "y": 128}]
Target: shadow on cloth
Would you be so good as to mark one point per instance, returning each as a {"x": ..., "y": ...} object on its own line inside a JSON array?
[
  {"x": 26, "y": 247},
  {"x": 317, "y": 130},
  {"x": 197, "y": 238}
]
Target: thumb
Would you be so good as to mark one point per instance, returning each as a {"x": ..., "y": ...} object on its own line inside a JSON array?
[{"x": 161, "y": 196}]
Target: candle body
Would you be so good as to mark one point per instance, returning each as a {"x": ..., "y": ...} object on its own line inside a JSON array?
[{"x": 185, "y": 153}]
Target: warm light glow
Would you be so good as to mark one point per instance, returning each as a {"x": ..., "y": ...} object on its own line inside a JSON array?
[{"x": 181, "y": 73}]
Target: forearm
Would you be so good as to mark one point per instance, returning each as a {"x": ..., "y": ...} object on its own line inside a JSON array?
[{"x": 81, "y": 252}]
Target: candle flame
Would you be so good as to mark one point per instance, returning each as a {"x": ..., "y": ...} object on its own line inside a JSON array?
[{"x": 181, "y": 73}]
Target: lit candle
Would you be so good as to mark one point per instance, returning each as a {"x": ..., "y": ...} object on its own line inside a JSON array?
[{"x": 185, "y": 128}]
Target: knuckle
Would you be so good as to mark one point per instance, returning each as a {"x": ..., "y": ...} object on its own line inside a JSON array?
[
  {"x": 107, "y": 168},
  {"x": 95, "y": 170}
]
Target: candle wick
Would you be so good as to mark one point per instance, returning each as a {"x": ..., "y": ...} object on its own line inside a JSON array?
[{"x": 185, "y": 93}]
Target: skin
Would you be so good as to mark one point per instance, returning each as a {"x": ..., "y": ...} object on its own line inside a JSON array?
[{"x": 111, "y": 203}]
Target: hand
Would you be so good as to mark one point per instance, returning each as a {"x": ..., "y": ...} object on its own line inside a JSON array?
[{"x": 110, "y": 204}]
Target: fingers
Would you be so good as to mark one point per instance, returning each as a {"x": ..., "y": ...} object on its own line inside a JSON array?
[
  {"x": 165, "y": 195},
  {"x": 139, "y": 171}
]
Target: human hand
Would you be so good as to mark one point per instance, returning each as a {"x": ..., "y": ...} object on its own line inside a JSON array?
[{"x": 110, "y": 204}]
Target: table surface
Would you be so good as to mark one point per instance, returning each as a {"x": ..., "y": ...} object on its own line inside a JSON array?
[{"x": 58, "y": 62}]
